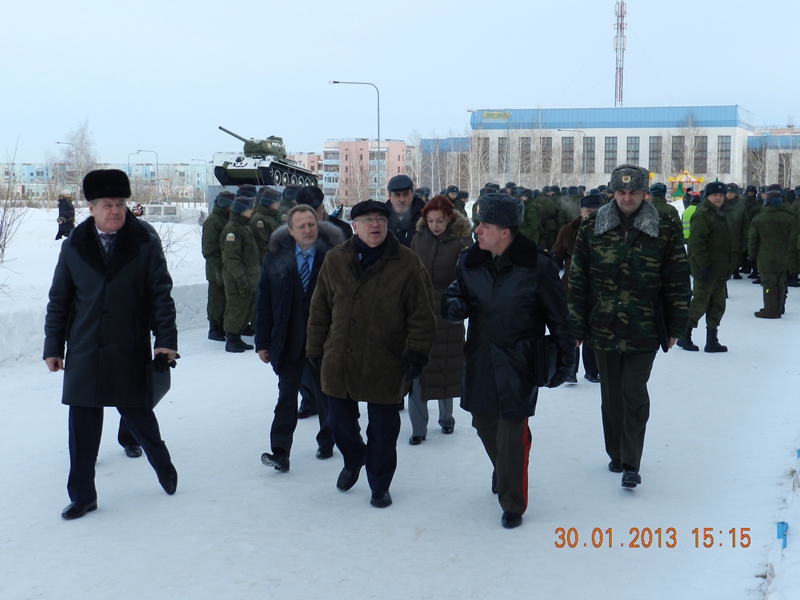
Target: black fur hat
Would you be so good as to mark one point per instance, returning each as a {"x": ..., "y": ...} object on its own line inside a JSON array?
[
  {"x": 106, "y": 183},
  {"x": 501, "y": 210},
  {"x": 715, "y": 187},
  {"x": 311, "y": 195}
]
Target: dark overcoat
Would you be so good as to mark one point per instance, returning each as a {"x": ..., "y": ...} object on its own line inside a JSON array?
[
  {"x": 366, "y": 324},
  {"x": 66, "y": 218},
  {"x": 282, "y": 307},
  {"x": 104, "y": 313},
  {"x": 404, "y": 230},
  {"x": 711, "y": 242},
  {"x": 507, "y": 312},
  {"x": 442, "y": 377}
]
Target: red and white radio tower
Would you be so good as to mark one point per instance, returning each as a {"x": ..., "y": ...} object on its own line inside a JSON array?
[{"x": 619, "y": 46}]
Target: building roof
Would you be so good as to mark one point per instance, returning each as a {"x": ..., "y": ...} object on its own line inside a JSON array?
[{"x": 612, "y": 118}]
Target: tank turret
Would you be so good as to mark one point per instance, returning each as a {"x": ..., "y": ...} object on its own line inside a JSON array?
[{"x": 264, "y": 163}]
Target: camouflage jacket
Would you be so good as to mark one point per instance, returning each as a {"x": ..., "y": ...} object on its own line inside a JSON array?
[
  {"x": 241, "y": 262},
  {"x": 616, "y": 276},
  {"x": 262, "y": 224},
  {"x": 212, "y": 228}
]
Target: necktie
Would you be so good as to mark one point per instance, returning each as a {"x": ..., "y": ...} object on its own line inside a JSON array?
[
  {"x": 108, "y": 240},
  {"x": 305, "y": 270}
]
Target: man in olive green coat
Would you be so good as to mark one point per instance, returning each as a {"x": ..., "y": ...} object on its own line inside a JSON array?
[
  {"x": 288, "y": 201},
  {"x": 658, "y": 198},
  {"x": 263, "y": 222},
  {"x": 530, "y": 220},
  {"x": 548, "y": 213},
  {"x": 212, "y": 229},
  {"x": 241, "y": 268},
  {"x": 771, "y": 232},
  {"x": 370, "y": 331},
  {"x": 739, "y": 220},
  {"x": 710, "y": 258}
]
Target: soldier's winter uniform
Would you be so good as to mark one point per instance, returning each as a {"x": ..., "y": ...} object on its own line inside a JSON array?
[
  {"x": 264, "y": 220},
  {"x": 212, "y": 229}
]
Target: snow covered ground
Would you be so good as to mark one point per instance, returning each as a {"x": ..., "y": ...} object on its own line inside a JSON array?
[{"x": 720, "y": 454}]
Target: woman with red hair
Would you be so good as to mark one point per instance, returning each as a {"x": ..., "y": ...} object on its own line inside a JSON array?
[{"x": 441, "y": 235}]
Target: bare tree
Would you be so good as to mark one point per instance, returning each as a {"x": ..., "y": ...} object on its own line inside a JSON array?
[
  {"x": 78, "y": 156},
  {"x": 12, "y": 210}
]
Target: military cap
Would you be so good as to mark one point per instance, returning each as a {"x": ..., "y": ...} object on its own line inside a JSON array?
[
  {"x": 523, "y": 191},
  {"x": 224, "y": 199},
  {"x": 592, "y": 201},
  {"x": 751, "y": 188},
  {"x": 629, "y": 177},
  {"x": 106, "y": 183},
  {"x": 773, "y": 198},
  {"x": 733, "y": 188},
  {"x": 501, "y": 210},
  {"x": 290, "y": 192},
  {"x": 493, "y": 186},
  {"x": 511, "y": 184},
  {"x": 311, "y": 196},
  {"x": 462, "y": 195},
  {"x": 658, "y": 189},
  {"x": 774, "y": 187},
  {"x": 420, "y": 192},
  {"x": 247, "y": 189},
  {"x": 573, "y": 190},
  {"x": 267, "y": 195},
  {"x": 368, "y": 206},
  {"x": 791, "y": 195},
  {"x": 399, "y": 183},
  {"x": 715, "y": 187},
  {"x": 452, "y": 188},
  {"x": 241, "y": 204},
  {"x": 427, "y": 192}
]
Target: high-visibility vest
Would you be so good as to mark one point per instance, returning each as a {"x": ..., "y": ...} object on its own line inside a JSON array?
[{"x": 687, "y": 217}]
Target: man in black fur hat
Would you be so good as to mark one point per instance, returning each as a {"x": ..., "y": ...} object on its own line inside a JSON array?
[{"x": 110, "y": 289}]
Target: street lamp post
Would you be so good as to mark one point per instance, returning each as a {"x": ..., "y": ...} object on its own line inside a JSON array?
[
  {"x": 205, "y": 178},
  {"x": 379, "y": 122},
  {"x": 156, "y": 153}
]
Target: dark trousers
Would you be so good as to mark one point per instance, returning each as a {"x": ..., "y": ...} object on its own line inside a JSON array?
[
  {"x": 379, "y": 453},
  {"x": 285, "y": 421},
  {"x": 625, "y": 403},
  {"x": 508, "y": 444},
  {"x": 124, "y": 435},
  {"x": 85, "y": 430},
  {"x": 215, "y": 308},
  {"x": 708, "y": 298},
  {"x": 589, "y": 362}
]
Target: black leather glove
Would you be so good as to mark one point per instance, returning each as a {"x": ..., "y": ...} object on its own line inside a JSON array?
[
  {"x": 706, "y": 274},
  {"x": 559, "y": 377},
  {"x": 315, "y": 362},
  {"x": 412, "y": 370},
  {"x": 161, "y": 362}
]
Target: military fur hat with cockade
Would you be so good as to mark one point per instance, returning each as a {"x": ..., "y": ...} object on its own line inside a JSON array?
[
  {"x": 500, "y": 209},
  {"x": 629, "y": 177}
]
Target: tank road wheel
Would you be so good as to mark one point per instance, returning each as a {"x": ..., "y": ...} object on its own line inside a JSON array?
[
  {"x": 276, "y": 177},
  {"x": 285, "y": 179},
  {"x": 294, "y": 179},
  {"x": 307, "y": 181}
]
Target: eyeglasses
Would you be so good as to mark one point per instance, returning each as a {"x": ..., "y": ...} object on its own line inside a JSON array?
[{"x": 372, "y": 220}]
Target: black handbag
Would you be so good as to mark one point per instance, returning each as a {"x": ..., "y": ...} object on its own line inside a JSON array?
[{"x": 158, "y": 379}]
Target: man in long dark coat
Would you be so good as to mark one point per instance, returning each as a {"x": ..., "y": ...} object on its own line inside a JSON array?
[{"x": 111, "y": 287}]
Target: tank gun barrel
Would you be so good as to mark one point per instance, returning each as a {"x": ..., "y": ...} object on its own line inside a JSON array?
[{"x": 236, "y": 135}]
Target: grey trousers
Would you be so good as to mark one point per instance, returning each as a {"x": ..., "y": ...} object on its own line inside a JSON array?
[{"x": 418, "y": 410}]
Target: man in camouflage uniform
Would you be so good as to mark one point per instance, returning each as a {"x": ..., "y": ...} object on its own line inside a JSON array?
[
  {"x": 212, "y": 230},
  {"x": 736, "y": 212},
  {"x": 264, "y": 219},
  {"x": 288, "y": 201},
  {"x": 771, "y": 250},
  {"x": 625, "y": 258},
  {"x": 241, "y": 267},
  {"x": 711, "y": 254}
]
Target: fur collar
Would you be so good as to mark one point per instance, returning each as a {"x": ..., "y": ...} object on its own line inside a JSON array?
[
  {"x": 126, "y": 247},
  {"x": 522, "y": 251},
  {"x": 646, "y": 220},
  {"x": 458, "y": 229},
  {"x": 281, "y": 243}
]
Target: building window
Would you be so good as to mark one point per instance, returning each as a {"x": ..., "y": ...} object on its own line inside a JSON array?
[
  {"x": 567, "y": 154},
  {"x": 524, "y": 155},
  {"x": 654, "y": 158},
  {"x": 483, "y": 152},
  {"x": 678, "y": 152},
  {"x": 547, "y": 154},
  {"x": 701, "y": 154},
  {"x": 610, "y": 160},
  {"x": 723, "y": 154},
  {"x": 502, "y": 154},
  {"x": 784, "y": 169},
  {"x": 632, "y": 152},
  {"x": 588, "y": 155}
]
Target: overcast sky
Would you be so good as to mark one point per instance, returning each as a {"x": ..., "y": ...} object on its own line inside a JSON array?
[{"x": 163, "y": 75}]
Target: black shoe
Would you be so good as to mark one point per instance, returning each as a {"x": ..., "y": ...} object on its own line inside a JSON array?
[
  {"x": 306, "y": 411},
  {"x": 511, "y": 520},
  {"x": 736, "y": 275},
  {"x": 234, "y": 343},
  {"x": 347, "y": 478},
  {"x": 169, "y": 480},
  {"x": 416, "y": 440},
  {"x": 757, "y": 280},
  {"x": 448, "y": 430},
  {"x": 494, "y": 482},
  {"x": 75, "y": 510},
  {"x": 247, "y": 332},
  {"x": 570, "y": 379},
  {"x": 686, "y": 342},
  {"x": 615, "y": 466},
  {"x": 381, "y": 499},
  {"x": 592, "y": 378},
  {"x": 323, "y": 453},
  {"x": 215, "y": 332},
  {"x": 279, "y": 463},
  {"x": 631, "y": 478},
  {"x": 133, "y": 451}
]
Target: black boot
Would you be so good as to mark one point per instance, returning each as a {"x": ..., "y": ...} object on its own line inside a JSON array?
[
  {"x": 783, "y": 293},
  {"x": 686, "y": 342},
  {"x": 753, "y": 273},
  {"x": 234, "y": 343},
  {"x": 794, "y": 280},
  {"x": 215, "y": 332},
  {"x": 712, "y": 343}
]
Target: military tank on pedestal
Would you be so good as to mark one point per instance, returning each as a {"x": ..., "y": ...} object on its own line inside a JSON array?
[{"x": 264, "y": 163}]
